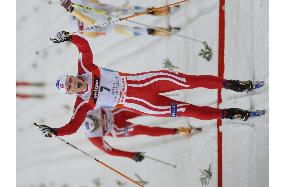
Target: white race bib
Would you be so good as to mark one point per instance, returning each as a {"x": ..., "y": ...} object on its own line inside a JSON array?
[{"x": 109, "y": 88}]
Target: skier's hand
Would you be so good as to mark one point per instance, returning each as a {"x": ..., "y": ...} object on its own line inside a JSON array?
[
  {"x": 67, "y": 4},
  {"x": 61, "y": 36},
  {"x": 47, "y": 131},
  {"x": 138, "y": 157}
]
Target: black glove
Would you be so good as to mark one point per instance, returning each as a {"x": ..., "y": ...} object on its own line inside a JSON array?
[
  {"x": 138, "y": 157},
  {"x": 67, "y": 4},
  {"x": 61, "y": 36},
  {"x": 47, "y": 131}
]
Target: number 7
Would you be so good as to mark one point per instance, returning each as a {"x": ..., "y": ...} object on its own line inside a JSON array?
[{"x": 102, "y": 88}]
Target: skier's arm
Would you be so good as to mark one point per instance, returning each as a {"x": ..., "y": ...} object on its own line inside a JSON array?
[
  {"x": 84, "y": 48},
  {"x": 104, "y": 146},
  {"x": 75, "y": 122}
]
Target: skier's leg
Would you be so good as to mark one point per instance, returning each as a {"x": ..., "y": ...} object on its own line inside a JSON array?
[
  {"x": 166, "y": 81},
  {"x": 150, "y": 131},
  {"x": 141, "y": 100},
  {"x": 131, "y": 31},
  {"x": 129, "y": 10},
  {"x": 162, "y": 106},
  {"x": 138, "y": 9},
  {"x": 94, "y": 35},
  {"x": 121, "y": 116},
  {"x": 142, "y": 31},
  {"x": 179, "y": 109}
]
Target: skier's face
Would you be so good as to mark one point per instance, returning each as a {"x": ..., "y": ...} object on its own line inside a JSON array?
[{"x": 75, "y": 85}]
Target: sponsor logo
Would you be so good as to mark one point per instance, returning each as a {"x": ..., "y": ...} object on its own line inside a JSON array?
[
  {"x": 126, "y": 131},
  {"x": 57, "y": 84},
  {"x": 96, "y": 88},
  {"x": 173, "y": 110}
]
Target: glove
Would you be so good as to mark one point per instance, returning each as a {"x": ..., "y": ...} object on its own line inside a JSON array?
[
  {"x": 67, "y": 4},
  {"x": 47, "y": 131},
  {"x": 138, "y": 157},
  {"x": 61, "y": 36}
]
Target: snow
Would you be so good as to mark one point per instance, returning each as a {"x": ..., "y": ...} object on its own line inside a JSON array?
[{"x": 245, "y": 144}]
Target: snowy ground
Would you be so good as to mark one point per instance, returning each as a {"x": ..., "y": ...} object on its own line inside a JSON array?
[{"x": 48, "y": 162}]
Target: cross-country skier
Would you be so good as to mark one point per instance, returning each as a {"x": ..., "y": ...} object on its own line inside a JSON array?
[
  {"x": 113, "y": 122},
  {"x": 118, "y": 11},
  {"x": 81, "y": 20},
  {"x": 100, "y": 87}
]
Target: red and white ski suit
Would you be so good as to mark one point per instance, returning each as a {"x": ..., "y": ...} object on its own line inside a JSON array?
[
  {"x": 115, "y": 124},
  {"x": 139, "y": 92}
]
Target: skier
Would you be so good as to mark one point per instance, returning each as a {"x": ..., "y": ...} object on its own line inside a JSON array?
[
  {"x": 97, "y": 87},
  {"x": 117, "y": 11},
  {"x": 113, "y": 122},
  {"x": 81, "y": 21}
]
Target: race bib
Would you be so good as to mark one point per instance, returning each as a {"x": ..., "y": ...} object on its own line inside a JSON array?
[{"x": 109, "y": 88}]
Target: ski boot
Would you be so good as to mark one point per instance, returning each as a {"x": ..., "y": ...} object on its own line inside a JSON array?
[
  {"x": 236, "y": 113},
  {"x": 195, "y": 130},
  {"x": 243, "y": 86},
  {"x": 186, "y": 131},
  {"x": 162, "y": 11}
]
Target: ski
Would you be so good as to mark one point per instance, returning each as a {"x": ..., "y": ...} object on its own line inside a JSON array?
[
  {"x": 256, "y": 113},
  {"x": 256, "y": 85},
  {"x": 194, "y": 130}
]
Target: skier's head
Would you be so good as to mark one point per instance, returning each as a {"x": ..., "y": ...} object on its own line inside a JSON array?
[
  {"x": 91, "y": 124},
  {"x": 70, "y": 84}
]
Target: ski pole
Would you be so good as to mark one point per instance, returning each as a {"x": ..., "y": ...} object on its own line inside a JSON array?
[
  {"x": 52, "y": 2},
  {"x": 92, "y": 157},
  {"x": 45, "y": 48},
  {"x": 157, "y": 160}
]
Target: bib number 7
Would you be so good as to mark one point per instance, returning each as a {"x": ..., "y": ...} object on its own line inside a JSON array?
[{"x": 102, "y": 88}]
